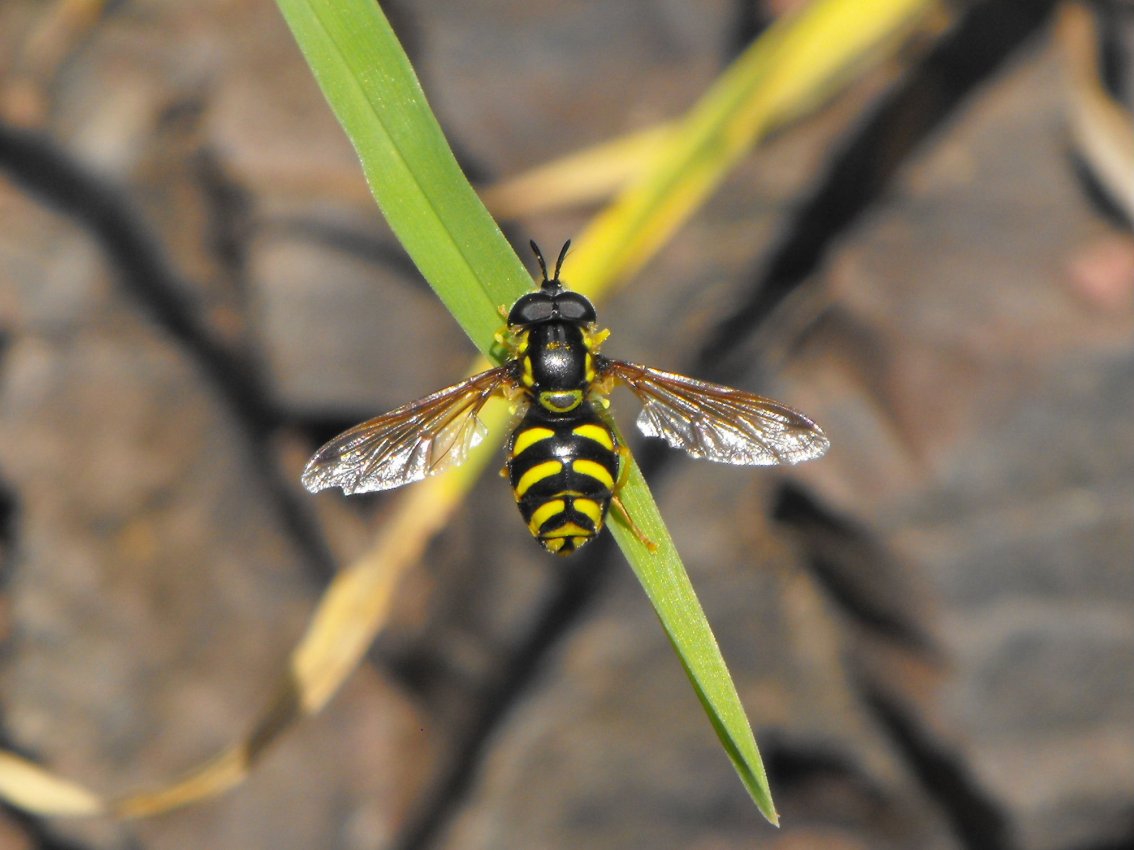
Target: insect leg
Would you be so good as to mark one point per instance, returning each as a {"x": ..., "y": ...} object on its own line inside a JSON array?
[{"x": 616, "y": 500}]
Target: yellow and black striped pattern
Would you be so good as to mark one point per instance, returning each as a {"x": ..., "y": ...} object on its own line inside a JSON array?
[
  {"x": 563, "y": 458},
  {"x": 563, "y": 471}
]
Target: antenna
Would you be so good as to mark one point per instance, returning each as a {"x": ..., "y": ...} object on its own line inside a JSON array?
[
  {"x": 562, "y": 254},
  {"x": 542, "y": 265},
  {"x": 550, "y": 283}
]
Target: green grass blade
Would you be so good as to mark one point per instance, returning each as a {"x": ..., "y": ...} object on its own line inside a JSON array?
[
  {"x": 435, "y": 213},
  {"x": 429, "y": 204},
  {"x": 669, "y": 590},
  {"x": 372, "y": 89}
]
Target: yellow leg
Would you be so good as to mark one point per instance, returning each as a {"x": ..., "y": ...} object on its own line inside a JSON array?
[
  {"x": 641, "y": 535},
  {"x": 616, "y": 501}
]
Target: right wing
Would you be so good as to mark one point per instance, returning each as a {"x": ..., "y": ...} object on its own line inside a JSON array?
[{"x": 716, "y": 422}]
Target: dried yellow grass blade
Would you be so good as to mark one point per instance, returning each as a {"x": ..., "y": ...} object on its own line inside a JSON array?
[
  {"x": 797, "y": 64},
  {"x": 357, "y": 604},
  {"x": 34, "y": 789},
  {"x": 351, "y": 612},
  {"x": 586, "y": 176},
  {"x": 809, "y": 72},
  {"x": 220, "y": 774},
  {"x": 1102, "y": 128}
]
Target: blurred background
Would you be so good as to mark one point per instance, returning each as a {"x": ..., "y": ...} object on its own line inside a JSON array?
[{"x": 932, "y": 628}]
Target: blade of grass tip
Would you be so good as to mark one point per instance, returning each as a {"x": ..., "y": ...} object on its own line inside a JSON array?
[
  {"x": 666, "y": 583},
  {"x": 372, "y": 89}
]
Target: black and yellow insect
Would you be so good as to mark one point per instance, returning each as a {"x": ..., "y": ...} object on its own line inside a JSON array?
[{"x": 564, "y": 460}]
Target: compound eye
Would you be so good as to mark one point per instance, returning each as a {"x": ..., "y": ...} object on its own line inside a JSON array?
[
  {"x": 575, "y": 308},
  {"x": 532, "y": 308}
]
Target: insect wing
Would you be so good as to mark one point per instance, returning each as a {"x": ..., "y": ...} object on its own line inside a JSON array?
[
  {"x": 416, "y": 440},
  {"x": 716, "y": 422}
]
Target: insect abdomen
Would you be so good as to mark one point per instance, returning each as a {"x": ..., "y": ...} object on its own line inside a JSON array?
[{"x": 563, "y": 471}]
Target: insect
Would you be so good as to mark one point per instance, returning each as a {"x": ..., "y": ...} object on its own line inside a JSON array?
[{"x": 564, "y": 460}]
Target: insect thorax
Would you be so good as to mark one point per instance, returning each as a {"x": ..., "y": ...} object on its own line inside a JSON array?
[{"x": 556, "y": 365}]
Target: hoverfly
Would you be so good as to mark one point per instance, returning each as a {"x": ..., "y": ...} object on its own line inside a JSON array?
[{"x": 564, "y": 460}]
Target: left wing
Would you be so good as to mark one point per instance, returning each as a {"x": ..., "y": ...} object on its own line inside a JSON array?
[
  {"x": 418, "y": 439},
  {"x": 716, "y": 422}
]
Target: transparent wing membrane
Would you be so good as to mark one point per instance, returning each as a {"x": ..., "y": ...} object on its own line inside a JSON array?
[
  {"x": 416, "y": 440},
  {"x": 716, "y": 422}
]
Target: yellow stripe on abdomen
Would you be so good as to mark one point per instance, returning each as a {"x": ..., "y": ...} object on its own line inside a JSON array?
[
  {"x": 529, "y": 437},
  {"x": 595, "y": 433},
  {"x": 591, "y": 469},
  {"x": 590, "y": 509},
  {"x": 568, "y": 529},
  {"x": 545, "y": 512},
  {"x": 538, "y": 473}
]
